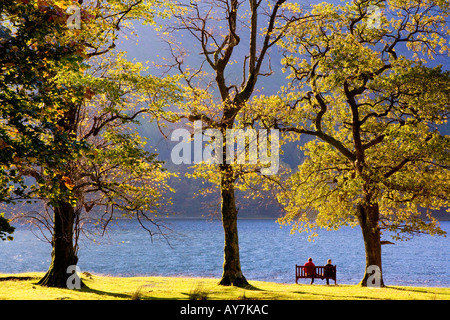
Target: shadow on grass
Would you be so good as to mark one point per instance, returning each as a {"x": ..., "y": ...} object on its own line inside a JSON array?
[
  {"x": 420, "y": 290},
  {"x": 251, "y": 288},
  {"x": 331, "y": 296},
  {"x": 86, "y": 289},
  {"x": 335, "y": 297},
  {"x": 17, "y": 278},
  {"x": 105, "y": 293}
]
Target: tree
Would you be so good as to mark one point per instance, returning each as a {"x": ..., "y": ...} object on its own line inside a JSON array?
[
  {"x": 5, "y": 228},
  {"x": 376, "y": 112},
  {"x": 29, "y": 132},
  {"x": 217, "y": 97},
  {"x": 113, "y": 172}
]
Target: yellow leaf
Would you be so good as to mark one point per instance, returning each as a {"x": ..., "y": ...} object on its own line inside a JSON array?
[{"x": 68, "y": 183}]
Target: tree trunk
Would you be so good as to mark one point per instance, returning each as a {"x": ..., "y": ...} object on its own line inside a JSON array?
[
  {"x": 63, "y": 252},
  {"x": 369, "y": 216},
  {"x": 232, "y": 274}
]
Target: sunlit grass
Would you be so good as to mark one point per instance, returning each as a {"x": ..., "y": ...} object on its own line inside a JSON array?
[{"x": 23, "y": 287}]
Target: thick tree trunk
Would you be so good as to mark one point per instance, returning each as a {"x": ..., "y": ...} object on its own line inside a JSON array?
[
  {"x": 63, "y": 252},
  {"x": 369, "y": 216},
  {"x": 232, "y": 274}
]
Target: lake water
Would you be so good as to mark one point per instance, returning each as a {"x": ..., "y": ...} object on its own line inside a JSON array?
[{"x": 268, "y": 253}]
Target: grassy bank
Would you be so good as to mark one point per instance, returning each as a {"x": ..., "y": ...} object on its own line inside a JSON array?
[{"x": 24, "y": 287}]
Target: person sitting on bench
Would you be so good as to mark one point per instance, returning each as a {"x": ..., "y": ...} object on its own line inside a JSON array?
[
  {"x": 310, "y": 269},
  {"x": 328, "y": 272}
]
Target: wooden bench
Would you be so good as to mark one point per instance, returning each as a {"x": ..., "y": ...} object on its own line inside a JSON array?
[{"x": 320, "y": 272}]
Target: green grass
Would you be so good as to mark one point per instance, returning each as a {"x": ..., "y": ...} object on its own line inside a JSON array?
[{"x": 23, "y": 287}]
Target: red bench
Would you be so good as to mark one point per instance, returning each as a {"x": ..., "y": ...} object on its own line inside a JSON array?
[{"x": 320, "y": 272}]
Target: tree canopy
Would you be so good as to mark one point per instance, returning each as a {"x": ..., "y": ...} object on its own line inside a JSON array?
[
  {"x": 33, "y": 51},
  {"x": 231, "y": 35},
  {"x": 5, "y": 228},
  {"x": 375, "y": 110},
  {"x": 68, "y": 124}
]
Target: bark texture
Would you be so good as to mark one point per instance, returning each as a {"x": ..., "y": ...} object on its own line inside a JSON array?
[
  {"x": 369, "y": 216},
  {"x": 232, "y": 273},
  {"x": 63, "y": 252}
]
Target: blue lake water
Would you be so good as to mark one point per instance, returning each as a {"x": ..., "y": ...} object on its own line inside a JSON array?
[{"x": 268, "y": 253}]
